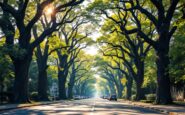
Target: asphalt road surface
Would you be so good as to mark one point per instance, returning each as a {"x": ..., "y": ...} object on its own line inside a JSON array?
[{"x": 83, "y": 107}]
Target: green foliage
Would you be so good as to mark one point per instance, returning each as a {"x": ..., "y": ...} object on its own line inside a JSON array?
[
  {"x": 6, "y": 69},
  {"x": 34, "y": 95},
  {"x": 33, "y": 76},
  {"x": 150, "y": 82},
  {"x": 133, "y": 97},
  {"x": 93, "y": 12},
  {"x": 146, "y": 101},
  {"x": 177, "y": 54},
  {"x": 150, "y": 97}
]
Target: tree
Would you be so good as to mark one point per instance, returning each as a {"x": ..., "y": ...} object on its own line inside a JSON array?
[
  {"x": 113, "y": 77},
  {"x": 43, "y": 51},
  {"x": 6, "y": 75},
  {"x": 177, "y": 66},
  {"x": 129, "y": 45},
  {"x": 85, "y": 86},
  {"x": 24, "y": 44},
  {"x": 127, "y": 74},
  {"x": 132, "y": 53},
  {"x": 161, "y": 16},
  {"x": 71, "y": 36},
  {"x": 78, "y": 71},
  {"x": 162, "y": 21}
]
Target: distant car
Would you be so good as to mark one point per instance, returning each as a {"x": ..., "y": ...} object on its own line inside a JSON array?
[
  {"x": 113, "y": 97},
  {"x": 105, "y": 97},
  {"x": 76, "y": 97}
]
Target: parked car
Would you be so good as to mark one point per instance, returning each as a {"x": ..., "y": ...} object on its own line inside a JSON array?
[
  {"x": 76, "y": 97},
  {"x": 113, "y": 97},
  {"x": 105, "y": 97}
]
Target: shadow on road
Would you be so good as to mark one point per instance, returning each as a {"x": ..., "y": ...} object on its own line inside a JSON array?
[{"x": 83, "y": 107}]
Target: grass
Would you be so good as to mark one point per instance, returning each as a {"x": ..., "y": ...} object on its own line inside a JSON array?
[
  {"x": 26, "y": 104},
  {"x": 147, "y": 101},
  {"x": 179, "y": 103},
  {"x": 182, "y": 103}
]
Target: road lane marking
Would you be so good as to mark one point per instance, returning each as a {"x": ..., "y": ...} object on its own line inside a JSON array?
[{"x": 93, "y": 107}]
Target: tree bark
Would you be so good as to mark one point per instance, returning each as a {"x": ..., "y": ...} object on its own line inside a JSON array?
[
  {"x": 139, "y": 80},
  {"x": 184, "y": 93},
  {"x": 61, "y": 82},
  {"x": 77, "y": 90},
  {"x": 42, "y": 85},
  {"x": 163, "y": 80},
  {"x": 139, "y": 91},
  {"x": 70, "y": 87},
  {"x": 121, "y": 87},
  {"x": 83, "y": 86},
  {"x": 129, "y": 88},
  {"x": 21, "y": 67},
  {"x": 112, "y": 88},
  {"x": 42, "y": 76},
  {"x": 119, "y": 92},
  {"x": 62, "y": 74},
  {"x": 70, "y": 91},
  {"x": 71, "y": 82}
]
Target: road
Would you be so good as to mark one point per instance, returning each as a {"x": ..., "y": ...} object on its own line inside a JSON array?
[{"x": 83, "y": 107}]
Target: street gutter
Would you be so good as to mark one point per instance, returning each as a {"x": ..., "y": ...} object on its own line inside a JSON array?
[
  {"x": 7, "y": 107},
  {"x": 151, "y": 107}
]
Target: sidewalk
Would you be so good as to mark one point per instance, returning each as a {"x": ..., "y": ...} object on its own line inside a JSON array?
[
  {"x": 169, "y": 109},
  {"x": 16, "y": 106}
]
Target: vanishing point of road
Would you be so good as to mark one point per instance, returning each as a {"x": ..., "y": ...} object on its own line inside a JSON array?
[{"x": 83, "y": 107}]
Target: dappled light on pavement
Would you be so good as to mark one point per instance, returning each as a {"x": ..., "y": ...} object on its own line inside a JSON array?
[{"x": 83, "y": 107}]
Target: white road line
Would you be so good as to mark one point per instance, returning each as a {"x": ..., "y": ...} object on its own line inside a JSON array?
[{"x": 93, "y": 107}]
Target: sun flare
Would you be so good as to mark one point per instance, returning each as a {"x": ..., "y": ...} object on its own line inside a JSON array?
[{"x": 49, "y": 10}]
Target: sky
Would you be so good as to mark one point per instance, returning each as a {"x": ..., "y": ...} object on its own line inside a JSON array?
[{"x": 93, "y": 50}]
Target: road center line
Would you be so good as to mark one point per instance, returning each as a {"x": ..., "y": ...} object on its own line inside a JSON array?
[{"x": 93, "y": 107}]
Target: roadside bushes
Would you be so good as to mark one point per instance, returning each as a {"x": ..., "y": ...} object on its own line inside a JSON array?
[
  {"x": 133, "y": 97},
  {"x": 150, "y": 97},
  {"x": 34, "y": 96}
]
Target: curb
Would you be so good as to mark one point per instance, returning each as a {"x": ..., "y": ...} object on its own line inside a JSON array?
[
  {"x": 175, "y": 113},
  {"x": 152, "y": 108},
  {"x": 156, "y": 109},
  {"x": 31, "y": 105}
]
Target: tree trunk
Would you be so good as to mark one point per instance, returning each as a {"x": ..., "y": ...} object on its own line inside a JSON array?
[
  {"x": 129, "y": 88},
  {"x": 77, "y": 88},
  {"x": 184, "y": 93},
  {"x": 62, "y": 80},
  {"x": 42, "y": 76},
  {"x": 119, "y": 92},
  {"x": 70, "y": 87},
  {"x": 163, "y": 80},
  {"x": 112, "y": 88},
  {"x": 42, "y": 85},
  {"x": 21, "y": 79},
  {"x": 62, "y": 74},
  {"x": 70, "y": 91},
  {"x": 139, "y": 79},
  {"x": 71, "y": 82},
  {"x": 139, "y": 92},
  {"x": 83, "y": 86}
]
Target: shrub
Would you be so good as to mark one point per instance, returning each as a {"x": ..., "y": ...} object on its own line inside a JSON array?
[
  {"x": 150, "y": 97},
  {"x": 34, "y": 96},
  {"x": 146, "y": 101},
  {"x": 133, "y": 97}
]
